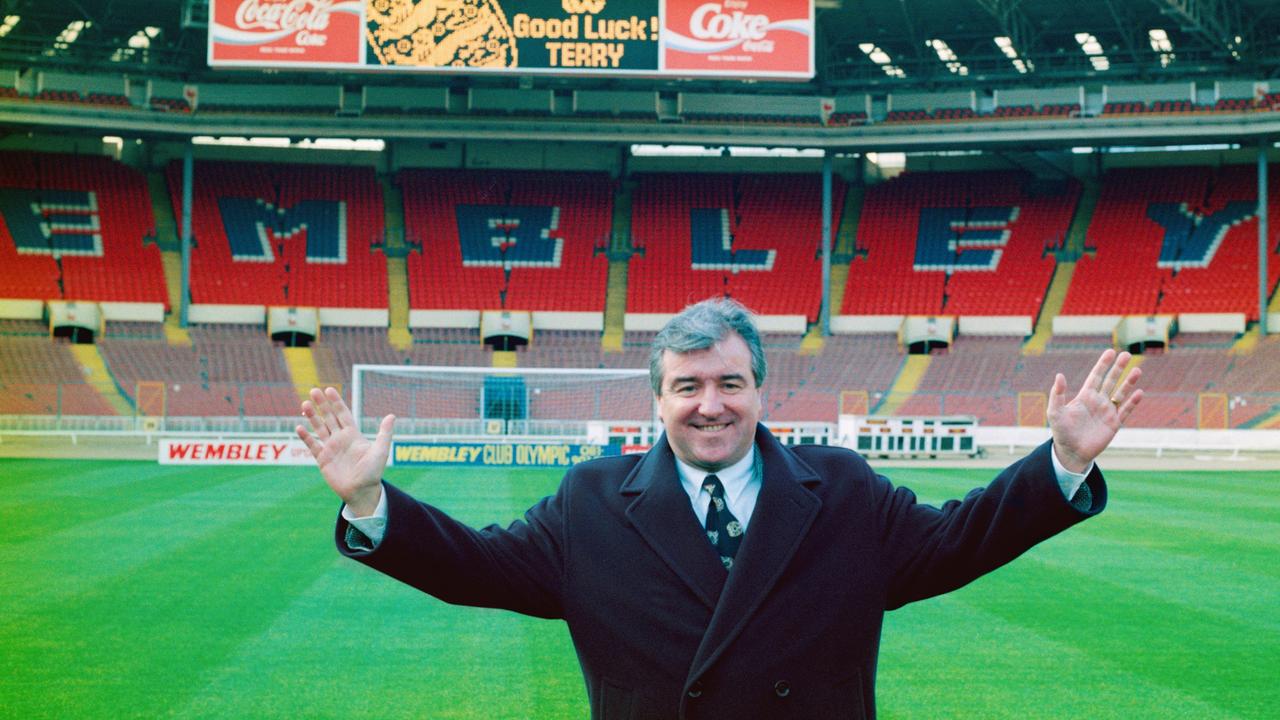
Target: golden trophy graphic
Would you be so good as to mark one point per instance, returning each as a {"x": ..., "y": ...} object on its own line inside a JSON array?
[{"x": 440, "y": 33}]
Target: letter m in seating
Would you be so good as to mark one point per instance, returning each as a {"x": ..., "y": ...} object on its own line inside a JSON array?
[{"x": 252, "y": 224}]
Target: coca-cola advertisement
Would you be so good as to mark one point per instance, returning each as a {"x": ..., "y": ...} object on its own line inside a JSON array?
[
  {"x": 298, "y": 33},
  {"x": 751, "y": 38},
  {"x": 644, "y": 38}
]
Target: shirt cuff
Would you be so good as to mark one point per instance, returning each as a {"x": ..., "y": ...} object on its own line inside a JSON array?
[
  {"x": 365, "y": 533},
  {"x": 1071, "y": 483}
]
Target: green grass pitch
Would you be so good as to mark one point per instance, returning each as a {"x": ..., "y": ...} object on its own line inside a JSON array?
[{"x": 131, "y": 589}]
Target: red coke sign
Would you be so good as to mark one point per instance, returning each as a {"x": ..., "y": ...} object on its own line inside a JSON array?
[
  {"x": 738, "y": 37},
  {"x": 302, "y": 33}
]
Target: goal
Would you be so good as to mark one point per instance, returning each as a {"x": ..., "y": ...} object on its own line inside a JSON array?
[{"x": 590, "y": 405}]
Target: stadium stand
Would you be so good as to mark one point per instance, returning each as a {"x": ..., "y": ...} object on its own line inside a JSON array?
[
  {"x": 752, "y": 237},
  {"x": 516, "y": 240},
  {"x": 1060, "y": 110},
  {"x": 179, "y": 105},
  {"x": 278, "y": 234},
  {"x": 39, "y": 376},
  {"x": 228, "y": 370},
  {"x": 972, "y": 378},
  {"x": 76, "y": 228},
  {"x": 847, "y": 118},
  {"x": 806, "y": 388},
  {"x": 1173, "y": 240},
  {"x": 565, "y": 349},
  {"x": 980, "y": 245},
  {"x": 339, "y": 348},
  {"x": 1014, "y": 111}
]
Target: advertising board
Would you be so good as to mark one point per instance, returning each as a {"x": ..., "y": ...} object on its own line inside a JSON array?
[
  {"x": 233, "y": 452},
  {"x": 683, "y": 38},
  {"x": 498, "y": 454}
]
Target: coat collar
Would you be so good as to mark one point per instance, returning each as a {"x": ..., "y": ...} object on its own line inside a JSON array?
[
  {"x": 662, "y": 515},
  {"x": 784, "y": 511}
]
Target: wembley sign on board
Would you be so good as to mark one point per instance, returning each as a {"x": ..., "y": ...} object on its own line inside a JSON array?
[
  {"x": 686, "y": 38},
  {"x": 234, "y": 452}
]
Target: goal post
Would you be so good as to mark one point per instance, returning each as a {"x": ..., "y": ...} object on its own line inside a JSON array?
[
  {"x": 1033, "y": 409},
  {"x": 489, "y": 404},
  {"x": 1212, "y": 411}
]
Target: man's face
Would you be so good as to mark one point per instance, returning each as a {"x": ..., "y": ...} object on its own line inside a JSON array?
[{"x": 709, "y": 404}]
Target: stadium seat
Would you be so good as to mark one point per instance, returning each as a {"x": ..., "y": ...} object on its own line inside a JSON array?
[
  {"x": 753, "y": 237},
  {"x": 1173, "y": 240},
  {"x": 279, "y": 234},
  {"x": 517, "y": 240},
  {"x": 75, "y": 228},
  {"x": 956, "y": 244}
]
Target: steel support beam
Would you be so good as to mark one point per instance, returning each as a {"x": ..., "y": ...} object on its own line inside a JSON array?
[
  {"x": 1014, "y": 24},
  {"x": 824, "y": 311},
  {"x": 1263, "y": 244},
  {"x": 1217, "y": 21}
]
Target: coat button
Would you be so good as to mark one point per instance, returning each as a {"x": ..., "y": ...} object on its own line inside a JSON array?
[
  {"x": 782, "y": 688},
  {"x": 695, "y": 690}
]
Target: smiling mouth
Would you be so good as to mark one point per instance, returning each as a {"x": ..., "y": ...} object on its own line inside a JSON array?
[{"x": 712, "y": 428}]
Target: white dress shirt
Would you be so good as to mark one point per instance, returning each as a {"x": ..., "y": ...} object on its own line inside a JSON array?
[{"x": 741, "y": 482}]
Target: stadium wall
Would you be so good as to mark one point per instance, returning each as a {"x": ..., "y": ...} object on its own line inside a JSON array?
[
  {"x": 539, "y": 156},
  {"x": 844, "y": 166},
  {"x": 162, "y": 153},
  {"x": 1085, "y": 165},
  {"x": 1038, "y": 97},
  {"x": 1185, "y": 91},
  {"x": 54, "y": 143}
]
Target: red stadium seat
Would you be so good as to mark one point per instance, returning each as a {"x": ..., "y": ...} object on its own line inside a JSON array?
[
  {"x": 778, "y": 213},
  {"x": 441, "y": 278},
  {"x": 285, "y": 271},
  {"x": 108, "y": 200},
  {"x": 1125, "y": 276},
  {"x": 887, "y": 282}
]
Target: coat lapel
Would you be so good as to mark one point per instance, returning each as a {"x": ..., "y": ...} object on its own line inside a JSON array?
[
  {"x": 661, "y": 513},
  {"x": 784, "y": 511}
]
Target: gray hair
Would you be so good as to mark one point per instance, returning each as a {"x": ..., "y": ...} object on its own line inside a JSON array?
[{"x": 702, "y": 325}]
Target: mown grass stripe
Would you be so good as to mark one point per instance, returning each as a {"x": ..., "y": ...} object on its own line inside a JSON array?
[
  {"x": 1235, "y": 595},
  {"x": 1240, "y": 489},
  {"x": 91, "y": 494},
  {"x": 948, "y": 657},
  {"x": 62, "y": 565},
  {"x": 1239, "y": 481},
  {"x": 1168, "y": 643},
  {"x": 1198, "y": 500},
  {"x": 292, "y": 630},
  {"x": 131, "y": 646}
]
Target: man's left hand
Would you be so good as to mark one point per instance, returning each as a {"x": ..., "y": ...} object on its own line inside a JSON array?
[{"x": 1084, "y": 426}]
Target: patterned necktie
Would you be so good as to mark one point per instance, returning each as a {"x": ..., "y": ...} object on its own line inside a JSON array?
[{"x": 723, "y": 529}]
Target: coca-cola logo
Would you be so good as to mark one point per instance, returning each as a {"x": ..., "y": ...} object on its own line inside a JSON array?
[
  {"x": 291, "y": 16},
  {"x": 294, "y": 31},
  {"x": 711, "y": 22}
]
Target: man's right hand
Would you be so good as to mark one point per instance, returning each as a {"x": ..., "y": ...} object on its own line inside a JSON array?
[{"x": 348, "y": 461}]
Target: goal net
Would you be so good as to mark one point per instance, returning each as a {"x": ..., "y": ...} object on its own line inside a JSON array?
[{"x": 516, "y": 404}]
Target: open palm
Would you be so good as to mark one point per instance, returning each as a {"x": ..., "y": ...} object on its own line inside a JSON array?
[
  {"x": 1085, "y": 425},
  {"x": 350, "y": 463}
]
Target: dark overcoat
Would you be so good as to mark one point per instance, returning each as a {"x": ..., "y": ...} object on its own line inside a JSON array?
[{"x": 662, "y": 630}]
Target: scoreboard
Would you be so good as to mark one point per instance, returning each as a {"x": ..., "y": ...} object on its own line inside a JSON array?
[{"x": 638, "y": 38}]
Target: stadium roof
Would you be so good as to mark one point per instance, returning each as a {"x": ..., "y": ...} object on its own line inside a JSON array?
[{"x": 861, "y": 44}]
